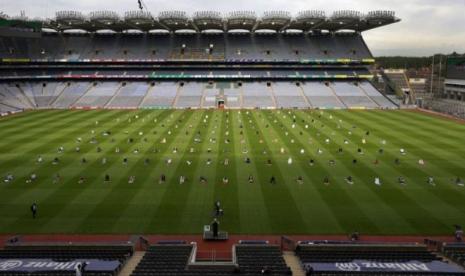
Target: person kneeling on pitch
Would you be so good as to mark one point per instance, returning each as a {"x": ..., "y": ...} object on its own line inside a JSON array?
[
  {"x": 32, "y": 178},
  {"x": 459, "y": 182}
]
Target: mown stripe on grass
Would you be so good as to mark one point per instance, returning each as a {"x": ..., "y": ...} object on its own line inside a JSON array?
[
  {"x": 416, "y": 217},
  {"x": 281, "y": 216},
  {"x": 169, "y": 213},
  {"x": 364, "y": 175},
  {"x": 42, "y": 192},
  {"x": 114, "y": 201},
  {"x": 72, "y": 206},
  {"x": 228, "y": 194}
]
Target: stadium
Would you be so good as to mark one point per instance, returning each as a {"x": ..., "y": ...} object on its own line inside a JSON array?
[{"x": 222, "y": 144}]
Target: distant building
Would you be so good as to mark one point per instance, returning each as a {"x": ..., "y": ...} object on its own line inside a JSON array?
[
  {"x": 418, "y": 86},
  {"x": 454, "y": 85}
]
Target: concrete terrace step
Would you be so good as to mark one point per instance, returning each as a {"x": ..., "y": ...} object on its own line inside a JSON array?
[
  {"x": 132, "y": 263},
  {"x": 293, "y": 262}
]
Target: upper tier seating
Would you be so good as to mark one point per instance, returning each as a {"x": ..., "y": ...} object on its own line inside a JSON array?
[{"x": 168, "y": 46}]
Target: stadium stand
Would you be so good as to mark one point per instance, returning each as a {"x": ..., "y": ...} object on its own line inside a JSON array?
[
  {"x": 398, "y": 82},
  {"x": 373, "y": 259},
  {"x": 257, "y": 95},
  {"x": 375, "y": 96},
  {"x": 98, "y": 95},
  {"x": 266, "y": 47},
  {"x": 189, "y": 95},
  {"x": 66, "y": 69},
  {"x": 160, "y": 95},
  {"x": 253, "y": 259},
  {"x": 102, "y": 260},
  {"x": 321, "y": 95},
  {"x": 289, "y": 95},
  {"x": 455, "y": 251},
  {"x": 169, "y": 259},
  {"x": 72, "y": 93},
  {"x": 352, "y": 96}
]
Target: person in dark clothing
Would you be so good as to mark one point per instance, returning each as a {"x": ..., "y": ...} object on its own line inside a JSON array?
[
  {"x": 273, "y": 180},
  {"x": 355, "y": 236},
  {"x": 107, "y": 178},
  {"x": 215, "y": 227},
  {"x": 458, "y": 234},
  {"x": 218, "y": 210},
  {"x": 34, "y": 210}
]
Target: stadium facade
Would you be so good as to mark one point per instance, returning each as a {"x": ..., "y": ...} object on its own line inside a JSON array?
[
  {"x": 454, "y": 85},
  {"x": 205, "y": 61}
]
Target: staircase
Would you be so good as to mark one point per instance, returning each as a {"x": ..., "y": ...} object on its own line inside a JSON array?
[
  {"x": 337, "y": 97},
  {"x": 131, "y": 264},
  {"x": 302, "y": 93},
  {"x": 273, "y": 97},
  {"x": 368, "y": 96},
  {"x": 118, "y": 90},
  {"x": 293, "y": 262},
  {"x": 178, "y": 94}
]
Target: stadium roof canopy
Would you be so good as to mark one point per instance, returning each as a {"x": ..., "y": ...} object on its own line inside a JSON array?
[{"x": 279, "y": 21}]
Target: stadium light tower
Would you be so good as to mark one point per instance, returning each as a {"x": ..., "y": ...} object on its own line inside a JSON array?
[
  {"x": 380, "y": 17},
  {"x": 241, "y": 20},
  {"x": 344, "y": 19},
  {"x": 307, "y": 20},
  {"x": 176, "y": 20},
  {"x": 208, "y": 20},
  {"x": 69, "y": 19},
  {"x": 273, "y": 20},
  {"x": 139, "y": 19},
  {"x": 106, "y": 18}
]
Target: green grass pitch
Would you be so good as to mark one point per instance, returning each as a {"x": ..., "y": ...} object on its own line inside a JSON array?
[{"x": 287, "y": 207}]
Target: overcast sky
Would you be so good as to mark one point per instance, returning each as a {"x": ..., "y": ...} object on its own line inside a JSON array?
[{"x": 427, "y": 26}]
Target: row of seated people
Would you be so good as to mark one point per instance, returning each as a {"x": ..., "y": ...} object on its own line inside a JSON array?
[
  {"x": 171, "y": 260},
  {"x": 63, "y": 260}
]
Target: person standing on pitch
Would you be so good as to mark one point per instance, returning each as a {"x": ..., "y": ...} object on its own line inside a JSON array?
[
  {"x": 34, "y": 210},
  {"x": 215, "y": 227}
]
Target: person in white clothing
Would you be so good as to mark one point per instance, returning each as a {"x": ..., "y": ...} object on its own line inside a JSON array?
[{"x": 289, "y": 161}]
